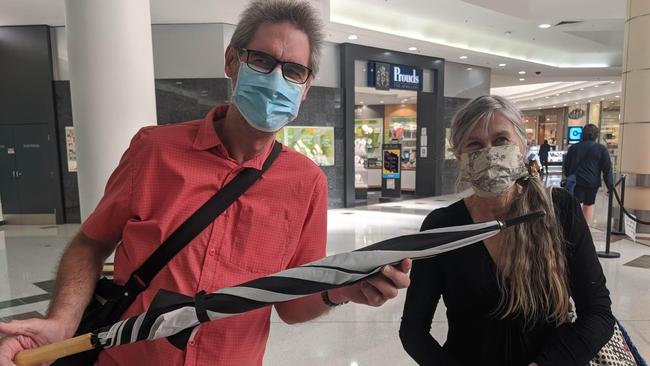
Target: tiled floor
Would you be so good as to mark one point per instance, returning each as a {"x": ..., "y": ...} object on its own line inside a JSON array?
[{"x": 351, "y": 335}]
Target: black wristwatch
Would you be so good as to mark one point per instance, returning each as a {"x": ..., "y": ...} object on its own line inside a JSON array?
[{"x": 326, "y": 299}]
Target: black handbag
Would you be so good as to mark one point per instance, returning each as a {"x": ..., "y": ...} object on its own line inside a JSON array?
[{"x": 110, "y": 300}]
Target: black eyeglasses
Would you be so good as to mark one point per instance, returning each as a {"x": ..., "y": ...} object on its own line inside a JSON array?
[{"x": 264, "y": 63}]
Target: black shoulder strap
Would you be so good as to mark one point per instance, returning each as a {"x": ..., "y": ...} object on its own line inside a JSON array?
[{"x": 188, "y": 230}]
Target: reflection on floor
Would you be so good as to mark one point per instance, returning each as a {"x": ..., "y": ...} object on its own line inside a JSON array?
[{"x": 350, "y": 335}]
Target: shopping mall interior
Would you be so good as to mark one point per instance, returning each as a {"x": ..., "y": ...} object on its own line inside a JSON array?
[{"x": 79, "y": 79}]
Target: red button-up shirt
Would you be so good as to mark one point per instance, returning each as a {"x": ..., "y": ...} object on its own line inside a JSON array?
[{"x": 166, "y": 174}]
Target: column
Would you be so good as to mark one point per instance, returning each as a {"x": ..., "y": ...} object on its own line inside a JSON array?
[
  {"x": 634, "y": 150},
  {"x": 112, "y": 85}
]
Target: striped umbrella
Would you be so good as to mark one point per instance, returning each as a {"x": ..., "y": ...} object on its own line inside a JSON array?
[{"x": 176, "y": 317}]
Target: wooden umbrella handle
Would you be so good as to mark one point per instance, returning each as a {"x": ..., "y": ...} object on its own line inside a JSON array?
[{"x": 51, "y": 352}]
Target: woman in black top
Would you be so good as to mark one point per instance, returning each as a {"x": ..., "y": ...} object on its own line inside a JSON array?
[{"x": 507, "y": 298}]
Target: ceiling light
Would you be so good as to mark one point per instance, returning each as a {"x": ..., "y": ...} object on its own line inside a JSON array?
[
  {"x": 589, "y": 101},
  {"x": 602, "y": 98},
  {"x": 413, "y": 48},
  {"x": 557, "y": 95},
  {"x": 539, "y": 107},
  {"x": 565, "y": 105},
  {"x": 521, "y": 79},
  {"x": 576, "y": 102},
  {"x": 611, "y": 82},
  {"x": 522, "y": 72},
  {"x": 554, "y": 106},
  {"x": 546, "y": 97},
  {"x": 618, "y": 96},
  {"x": 595, "y": 86},
  {"x": 544, "y": 26},
  {"x": 502, "y": 65},
  {"x": 581, "y": 89},
  {"x": 361, "y": 102},
  {"x": 352, "y": 37},
  {"x": 463, "y": 57},
  {"x": 381, "y": 101},
  {"x": 469, "y": 69},
  {"x": 569, "y": 92}
]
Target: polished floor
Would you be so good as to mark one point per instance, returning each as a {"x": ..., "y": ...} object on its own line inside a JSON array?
[{"x": 350, "y": 335}]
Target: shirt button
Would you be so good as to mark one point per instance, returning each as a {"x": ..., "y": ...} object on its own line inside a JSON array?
[
  {"x": 191, "y": 343},
  {"x": 212, "y": 251}
]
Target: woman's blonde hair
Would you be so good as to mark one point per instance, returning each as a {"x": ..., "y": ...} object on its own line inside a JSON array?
[{"x": 532, "y": 269}]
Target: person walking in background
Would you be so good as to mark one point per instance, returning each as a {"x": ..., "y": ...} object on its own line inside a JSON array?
[
  {"x": 543, "y": 155},
  {"x": 583, "y": 164}
]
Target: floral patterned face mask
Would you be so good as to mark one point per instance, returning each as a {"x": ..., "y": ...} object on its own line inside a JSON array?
[{"x": 494, "y": 170}]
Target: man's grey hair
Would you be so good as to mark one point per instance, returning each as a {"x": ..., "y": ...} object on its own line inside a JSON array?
[{"x": 299, "y": 13}]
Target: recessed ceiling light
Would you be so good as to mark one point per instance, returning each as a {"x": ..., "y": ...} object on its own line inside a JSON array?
[
  {"x": 595, "y": 86},
  {"x": 576, "y": 102},
  {"x": 618, "y": 96},
  {"x": 565, "y": 105},
  {"x": 569, "y": 92},
  {"x": 413, "y": 48},
  {"x": 544, "y": 26},
  {"x": 521, "y": 79},
  {"x": 602, "y": 98},
  {"x": 554, "y": 106},
  {"x": 381, "y": 101},
  {"x": 361, "y": 102},
  {"x": 539, "y": 107},
  {"x": 589, "y": 101},
  {"x": 463, "y": 57},
  {"x": 502, "y": 65},
  {"x": 522, "y": 72},
  {"x": 352, "y": 37},
  {"x": 546, "y": 97},
  {"x": 469, "y": 69},
  {"x": 611, "y": 82},
  {"x": 581, "y": 89},
  {"x": 558, "y": 94}
]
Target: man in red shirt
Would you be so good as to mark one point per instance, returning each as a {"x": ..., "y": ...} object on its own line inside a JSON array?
[{"x": 170, "y": 171}]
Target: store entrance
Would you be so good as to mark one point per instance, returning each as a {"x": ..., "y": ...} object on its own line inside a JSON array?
[{"x": 383, "y": 117}]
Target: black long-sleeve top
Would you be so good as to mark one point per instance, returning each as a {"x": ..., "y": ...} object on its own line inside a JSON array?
[
  {"x": 467, "y": 281},
  {"x": 587, "y": 160}
]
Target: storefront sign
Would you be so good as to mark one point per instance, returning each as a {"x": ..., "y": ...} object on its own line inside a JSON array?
[
  {"x": 575, "y": 134},
  {"x": 392, "y": 163},
  {"x": 385, "y": 76},
  {"x": 576, "y": 113},
  {"x": 71, "y": 149}
]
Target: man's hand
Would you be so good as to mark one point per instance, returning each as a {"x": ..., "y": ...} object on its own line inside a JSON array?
[
  {"x": 26, "y": 334},
  {"x": 378, "y": 289}
]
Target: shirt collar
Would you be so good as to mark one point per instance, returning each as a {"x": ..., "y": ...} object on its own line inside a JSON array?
[{"x": 207, "y": 138}]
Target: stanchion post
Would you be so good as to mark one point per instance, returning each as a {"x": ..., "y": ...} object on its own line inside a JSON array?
[
  {"x": 621, "y": 219},
  {"x": 608, "y": 236}
]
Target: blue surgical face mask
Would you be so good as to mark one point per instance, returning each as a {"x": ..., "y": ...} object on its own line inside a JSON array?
[{"x": 267, "y": 101}]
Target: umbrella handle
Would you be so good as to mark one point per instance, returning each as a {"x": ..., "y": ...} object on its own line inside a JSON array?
[{"x": 51, "y": 352}]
